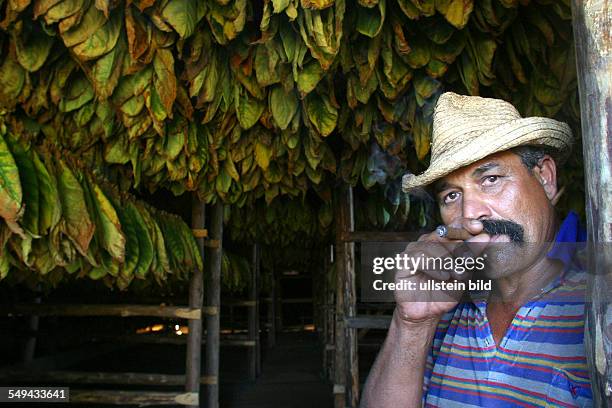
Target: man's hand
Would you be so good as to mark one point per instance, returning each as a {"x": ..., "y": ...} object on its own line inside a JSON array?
[
  {"x": 396, "y": 378},
  {"x": 416, "y": 306}
]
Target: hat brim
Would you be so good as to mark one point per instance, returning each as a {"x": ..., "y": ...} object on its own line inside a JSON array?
[{"x": 534, "y": 131}]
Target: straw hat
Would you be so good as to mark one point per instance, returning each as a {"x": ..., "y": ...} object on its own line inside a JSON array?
[{"x": 469, "y": 128}]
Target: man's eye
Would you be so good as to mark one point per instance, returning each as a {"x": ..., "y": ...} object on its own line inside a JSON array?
[
  {"x": 490, "y": 179},
  {"x": 450, "y": 197}
]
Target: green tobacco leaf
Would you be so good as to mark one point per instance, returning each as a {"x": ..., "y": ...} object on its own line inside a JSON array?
[
  {"x": 106, "y": 72},
  {"x": 190, "y": 245},
  {"x": 50, "y": 206},
  {"x": 456, "y": 12},
  {"x": 279, "y": 5},
  {"x": 469, "y": 75},
  {"x": 248, "y": 109},
  {"x": 145, "y": 244},
  {"x": 102, "y": 40},
  {"x": 173, "y": 242},
  {"x": 165, "y": 81},
  {"x": 79, "y": 227},
  {"x": 92, "y": 21},
  {"x": 29, "y": 185},
  {"x": 266, "y": 62},
  {"x": 370, "y": 20},
  {"x": 283, "y": 105},
  {"x": 316, "y": 4},
  {"x": 12, "y": 81},
  {"x": 421, "y": 135},
  {"x": 309, "y": 77},
  {"x": 409, "y": 9},
  {"x": 182, "y": 16},
  {"x": 79, "y": 93},
  {"x": 33, "y": 53},
  {"x": 424, "y": 87},
  {"x": 11, "y": 195},
  {"x": 230, "y": 169},
  {"x": 263, "y": 154},
  {"x": 426, "y": 7},
  {"x": 420, "y": 54},
  {"x": 108, "y": 227},
  {"x": 160, "y": 248},
  {"x": 321, "y": 113},
  {"x": 132, "y": 245}
]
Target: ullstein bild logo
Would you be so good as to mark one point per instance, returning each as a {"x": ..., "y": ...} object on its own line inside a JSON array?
[{"x": 432, "y": 285}]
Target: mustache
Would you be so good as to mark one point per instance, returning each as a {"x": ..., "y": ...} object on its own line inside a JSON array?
[{"x": 514, "y": 231}]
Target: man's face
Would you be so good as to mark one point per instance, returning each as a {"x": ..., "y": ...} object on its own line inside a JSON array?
[{"x": 501, "y": 188}]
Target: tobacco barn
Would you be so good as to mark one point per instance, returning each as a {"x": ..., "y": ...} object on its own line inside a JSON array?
[{"x": 186, "y": 185}]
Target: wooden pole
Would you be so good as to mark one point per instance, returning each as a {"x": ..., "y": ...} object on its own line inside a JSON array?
[
  {"x": 29, "y": 350},
  {"x": 279, "y": 304},
  {"x": 346, "y": 387},
  {"x": 325, "y": 322},
  {"x": 272, "y": 315},
  {"x": 253, "y": 329},
  {"x": 331, "y": 318},
  {"x": 196, "y": 293},
  {"x": 257, "y": 311},
  {"x": 592, "y": 22},
  {"x": 213, "y": 301}
]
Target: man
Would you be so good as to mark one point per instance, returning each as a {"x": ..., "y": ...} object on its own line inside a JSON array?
[{"x": 521, "y": 344}]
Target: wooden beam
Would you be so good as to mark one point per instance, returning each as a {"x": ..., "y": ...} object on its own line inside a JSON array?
[
  {"x": 20, "y": 377},
  {"x": 592, "y": 22},
  {"x": 140, "y": 398},
  {"x": 87, "y": 377},
  {"x": 213, "y": 300},
  {"x": 196, "y": 293},
  {"x": 369, "y": 322},
  {"x": 84, "y": 310}
]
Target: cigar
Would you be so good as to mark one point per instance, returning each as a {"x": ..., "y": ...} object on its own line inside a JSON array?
[{"x": 444, "y": 231}]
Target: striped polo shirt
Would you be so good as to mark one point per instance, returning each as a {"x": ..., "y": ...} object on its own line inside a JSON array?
[{"x": 540, "y": 362}]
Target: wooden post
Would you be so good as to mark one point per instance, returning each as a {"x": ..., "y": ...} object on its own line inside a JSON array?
[
  {"x": 331, "y": 317},
  {"x": 592, "y": 21},
  {"x": 253, "y": 314},
  {"x": 278, "y": 289},
  {"x": 196, "y": 292},
  {"x": 346, "y": 387},
  {"x": 212, "y": 309},
  {"x": 257, "y": 310},
  {"x": 29, "y": 350},
  {"x": 272, "y": 315},
  {"x": 325, "y": 322}
]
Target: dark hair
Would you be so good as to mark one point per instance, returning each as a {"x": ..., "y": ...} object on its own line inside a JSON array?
[{"x": 531, "y": 155}]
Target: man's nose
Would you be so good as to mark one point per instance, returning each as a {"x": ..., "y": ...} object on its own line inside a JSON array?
[{"x": 474, "y": 207}]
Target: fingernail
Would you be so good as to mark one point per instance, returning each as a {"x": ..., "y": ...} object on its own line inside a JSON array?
[{"x": 474, "y": 222}]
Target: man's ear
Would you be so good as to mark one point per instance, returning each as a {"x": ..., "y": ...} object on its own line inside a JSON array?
[{"x": 546, "y": 173}]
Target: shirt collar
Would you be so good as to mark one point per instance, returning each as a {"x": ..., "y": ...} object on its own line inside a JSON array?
[{"x": 570, "y": 237}]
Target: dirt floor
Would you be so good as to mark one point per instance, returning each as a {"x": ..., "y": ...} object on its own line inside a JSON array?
[{"x": 291, "y": 376}]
